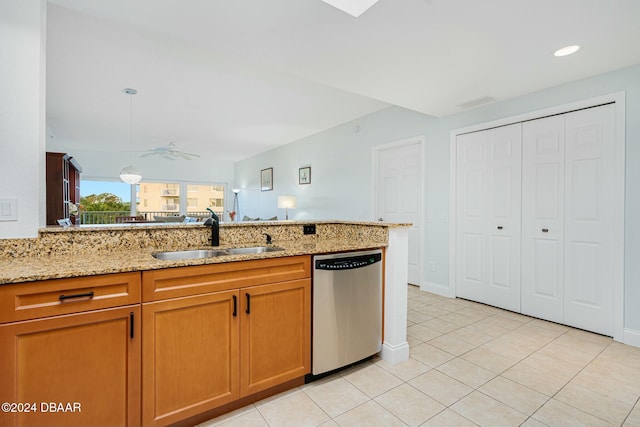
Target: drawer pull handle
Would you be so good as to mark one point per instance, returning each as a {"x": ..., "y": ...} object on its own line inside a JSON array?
[
  {"x": 248, "y": 304},
  {"x": 545, "y": 230},
  {"x": 500, "y": 227},
  {"x": 84, "y": 295},
  {"x": 235, "y": 306}
]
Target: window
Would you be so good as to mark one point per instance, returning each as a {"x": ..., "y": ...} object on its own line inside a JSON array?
[
  {"x": 102, "y": 201},
  {"x": 160, "y": 199}
]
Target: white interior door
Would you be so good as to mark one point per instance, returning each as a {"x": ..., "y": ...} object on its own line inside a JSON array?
[
  {"x": 399, "y": 197},
  {"x": 488, "y": 216},
  {"x": 543, "y": 218},
  {"x": 589, "y": 216},
  {"x": 472, "y": 164},
  {"x": 504, "y": 146}
]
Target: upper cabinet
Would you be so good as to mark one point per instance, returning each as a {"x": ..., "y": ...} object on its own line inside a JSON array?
[{"x": 63, "y": 186}]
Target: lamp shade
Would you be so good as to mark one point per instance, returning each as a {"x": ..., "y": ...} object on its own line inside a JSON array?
[
  {"x": 130, "y": 175},
  {"x": 287, "y": 202}
]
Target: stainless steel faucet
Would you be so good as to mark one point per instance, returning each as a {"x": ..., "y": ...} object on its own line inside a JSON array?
[{"x": 214, "y": 223}]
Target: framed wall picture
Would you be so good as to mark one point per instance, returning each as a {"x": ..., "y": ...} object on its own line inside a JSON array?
[
  {"x": 266, "y": 179},
  {"x": 304, "y": 175}
]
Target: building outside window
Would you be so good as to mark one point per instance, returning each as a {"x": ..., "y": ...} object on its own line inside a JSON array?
[
  {"x": 154, "y": 200},
  {"x": 207, "y": 196},
  {"x": 163, "y": 199}
]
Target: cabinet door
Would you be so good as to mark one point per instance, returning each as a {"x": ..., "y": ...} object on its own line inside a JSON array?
[
  {"x": 190, "y": 356},
  {"x": 275, "y": 334},
  {"x": 543, "y": 218},
  {"x": 86, "y": 364}
]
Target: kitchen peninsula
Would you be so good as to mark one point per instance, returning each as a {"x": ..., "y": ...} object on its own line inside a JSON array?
[{"x": 111, "y": 272}]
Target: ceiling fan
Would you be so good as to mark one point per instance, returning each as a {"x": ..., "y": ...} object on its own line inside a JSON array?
[{"x": 169, "y": 152}]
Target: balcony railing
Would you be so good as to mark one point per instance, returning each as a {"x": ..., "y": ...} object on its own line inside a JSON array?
[
  {"x": 169, "y": 192},
  {"x": 109, "y": 217},
  {"x": 170, "y": 207},
  {"x": 101, "y": 217}
]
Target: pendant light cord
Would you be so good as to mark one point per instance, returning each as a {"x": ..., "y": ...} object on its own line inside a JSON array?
[{"x": 131, "y": 129}]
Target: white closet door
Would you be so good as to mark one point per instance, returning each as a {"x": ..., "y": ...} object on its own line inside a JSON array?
[
  {"x": 504, "y": 216},
  {"x": 488, "y": 226},
  {"x": 543, "y": 218},
  {"x": 471, "y": 216},
  {"x": 589, "y": 243}
]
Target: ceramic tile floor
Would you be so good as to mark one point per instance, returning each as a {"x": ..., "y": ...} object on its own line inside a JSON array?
[{"x": 470, "y": 365}]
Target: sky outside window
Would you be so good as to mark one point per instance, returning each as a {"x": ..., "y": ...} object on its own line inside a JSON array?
[{"x": 120, "y": 189}]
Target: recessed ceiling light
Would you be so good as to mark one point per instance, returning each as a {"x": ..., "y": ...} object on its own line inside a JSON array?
[
  {"x": 567, "y": 50},
  {"x": 352, "y": 7}
]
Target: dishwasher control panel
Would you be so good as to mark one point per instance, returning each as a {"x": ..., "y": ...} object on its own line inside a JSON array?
[{"x": 348, "y": 263}]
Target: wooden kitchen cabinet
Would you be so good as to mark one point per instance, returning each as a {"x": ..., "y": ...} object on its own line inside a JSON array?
[
  {"x": 71, "y": 344},
  {"x": 190, "y": 358},
  {"x": 73, "y": 370},
  {"x": 275, "y": 334},
  {"x": 197, "y": 355}
]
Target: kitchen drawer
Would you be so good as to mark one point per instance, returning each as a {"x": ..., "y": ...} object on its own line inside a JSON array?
[
  {"x": 184, "y": 281},
  {"x": 24, "y": 301}
]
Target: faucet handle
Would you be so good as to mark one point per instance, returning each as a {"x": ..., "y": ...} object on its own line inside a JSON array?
[{"x": 268, "y": 238}]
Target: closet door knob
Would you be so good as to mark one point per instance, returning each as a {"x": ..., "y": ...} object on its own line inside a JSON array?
[{"x": 545, "y": 230}]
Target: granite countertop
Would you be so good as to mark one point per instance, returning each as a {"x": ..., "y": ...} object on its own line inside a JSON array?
[
  {"x": 179, "y": 225},
  {"x": 27, "y": 269}
]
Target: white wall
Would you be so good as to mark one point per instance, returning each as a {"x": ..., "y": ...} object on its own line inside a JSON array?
[
  {"x": 340, "y": 160},
  {"x": 22, "y": 113},
  {"x": 341, "y": 185}
]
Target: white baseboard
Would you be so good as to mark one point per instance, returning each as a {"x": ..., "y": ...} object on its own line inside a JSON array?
[
  {"x": 438, "y": 289},
  {"x": 632, "y": 337},
  {"x": 393, "y": 354}
]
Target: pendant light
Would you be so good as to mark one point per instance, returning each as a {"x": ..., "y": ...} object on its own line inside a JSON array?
[{"x": 130, "y": 174}]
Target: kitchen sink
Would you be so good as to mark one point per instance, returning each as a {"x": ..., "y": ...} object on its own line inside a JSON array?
[
  {"x": 211, "y": 253},
  {"x": 178, "y": 255},
  {"x": 253, "y": 250}
]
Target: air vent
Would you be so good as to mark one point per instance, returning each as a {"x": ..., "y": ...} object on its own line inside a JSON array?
[{"x": 477, "y": 102}]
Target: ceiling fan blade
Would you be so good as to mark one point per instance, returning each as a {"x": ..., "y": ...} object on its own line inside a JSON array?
[{"x": 170, "y": 152}]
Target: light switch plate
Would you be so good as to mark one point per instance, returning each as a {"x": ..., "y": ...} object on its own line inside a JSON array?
[{"x": 8, "y": 209}]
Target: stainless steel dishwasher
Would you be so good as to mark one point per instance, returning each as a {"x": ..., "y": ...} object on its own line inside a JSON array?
[{"x": 347, "y": 309}]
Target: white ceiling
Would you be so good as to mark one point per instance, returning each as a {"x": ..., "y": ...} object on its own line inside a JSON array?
[{"x": 239, "y": 77}]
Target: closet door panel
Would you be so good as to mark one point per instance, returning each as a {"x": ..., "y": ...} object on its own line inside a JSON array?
[
  {"x": 504, "y": 216},
  {"x": 471, "y": 213},
  {"x": 546, "y": 282},
  {"x": 543, "y": 218},
  {"x": 488, "y": 213},
  {"x": 589, "y": 219}
]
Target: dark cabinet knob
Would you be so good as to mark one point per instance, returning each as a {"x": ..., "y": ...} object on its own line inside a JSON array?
[
  {"x": 545, "y": 230},
  {"x": 500, "y": 227}
]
